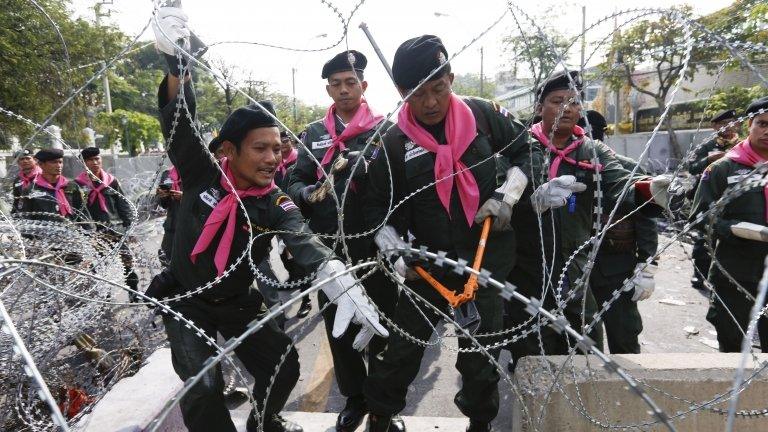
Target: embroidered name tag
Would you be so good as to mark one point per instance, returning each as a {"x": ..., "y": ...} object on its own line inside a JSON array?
[
  {"x": 209, "y": 199},
  {"x": 415, "y": 152},
  {"x": 321, "y": 144},
  {"x": 38, "y": 194}
]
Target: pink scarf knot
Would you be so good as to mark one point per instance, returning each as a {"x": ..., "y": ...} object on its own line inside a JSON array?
[
  {"x": 26, "y": 179},
  {"x": 562, "y": 155},
  {"x": 460, "y": 131},
  {"x": 96, "y": 193},
  {"x": 225, "y": 210},
  {"x": 61, "y": 198},
  {"x": 744, "y": 154},
  {"x": 282, "y": 168},
  {"x": 363, "y": 121},
  {"x": 173, "y": 174}
]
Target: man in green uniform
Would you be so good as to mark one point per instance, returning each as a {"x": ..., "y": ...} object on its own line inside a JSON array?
[
  {"x": 483, "y": 159},
  {"x": 343, "y": 133},
  {"x": 628, "y": 244},
  {"x": 740, "y": 232},
  {"x": 213, "y": 236},
  {"x": 702, "y": 156},
  {"x": 565, "y": 229},
  {"x": 51, "y": 192},
  {"x": 28, "y": 170},
  {"x": 107, "y": 206}
]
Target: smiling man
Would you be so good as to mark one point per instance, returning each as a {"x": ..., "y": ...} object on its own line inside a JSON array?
[
  {"x": 349, "y": 124},
  {"x": 224, "y": 206},
  {"x": 740, "y": 231}
]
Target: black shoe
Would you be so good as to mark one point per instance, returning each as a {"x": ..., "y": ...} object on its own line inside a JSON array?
[
  {"x": 352, "y": 415},
  {"x": 478, "y": 426},
  {"x": 379, "y": 423},
  {"x": 306, "y": 306},
  {"x": 396, "y": 424},
  {"x": 275, "y": 423}
]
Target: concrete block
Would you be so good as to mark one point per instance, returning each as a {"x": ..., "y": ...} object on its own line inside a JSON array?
[{"x": 674, "y": 381}]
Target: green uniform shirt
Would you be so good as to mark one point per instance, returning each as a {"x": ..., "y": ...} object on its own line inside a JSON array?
[
  {"x": 700, "y": 157},
  {"x": 118, "y": 210},
  {"x": 742, "y": 258},
  {"x": 35, "y": 198},
  {"x": 202, "y": 191},
  {"x": 423, "y": 215}
]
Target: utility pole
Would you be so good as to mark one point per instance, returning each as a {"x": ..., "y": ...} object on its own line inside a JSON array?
[
  {"x": 583, "y": 37},
  {"x": 293, "y": 86},
  {"x": 481, "y": 72},
  {"x": 107, "y": 94}
]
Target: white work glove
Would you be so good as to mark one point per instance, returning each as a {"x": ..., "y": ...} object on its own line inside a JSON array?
[
  {"x": 660, "y": 189},
  {"x": 750, "y": 231},
  {"x": 387, "y": 239},
  {"x": 499, "y": 206},
  {"x": 555, "y": 193},
  {"x": 352, "y": 306},
  {"x": 173, "y": 23},
  {"x": 643, "y": 283}
]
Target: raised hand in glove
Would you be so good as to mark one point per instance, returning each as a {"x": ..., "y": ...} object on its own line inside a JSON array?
[
  {"x": 555, "y": 193},
  {"x": 388, "y": 239},
  {"x": 499, "y": 206},
  {"x": 171, "y": 30},
  {"x": 352, "y": 306},
  {"x": 644, "y": 283}
]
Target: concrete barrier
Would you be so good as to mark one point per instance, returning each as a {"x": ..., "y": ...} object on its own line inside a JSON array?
[{"x": 606, "y": 397}]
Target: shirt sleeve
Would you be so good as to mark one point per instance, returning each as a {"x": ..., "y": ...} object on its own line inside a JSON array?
[
  {"x": 385, "y": 190},
  {"x": 123, "y": 208},
  {"x": 700, "y": 159},
  {"x": 307, "y": 250},
  {"x": 304, "y": 173},
  {"x": 714, "y": 181},
  {"x": 185, "y": 149}
]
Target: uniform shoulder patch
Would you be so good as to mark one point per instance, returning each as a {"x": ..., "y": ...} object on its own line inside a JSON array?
[
  {"x": 501, "y": 110},
  {"x": 285, "y": 203},
  {"x": 706, "y": 173}
]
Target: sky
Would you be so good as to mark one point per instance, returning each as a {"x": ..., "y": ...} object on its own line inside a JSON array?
[{"x": 310, "y": 24}]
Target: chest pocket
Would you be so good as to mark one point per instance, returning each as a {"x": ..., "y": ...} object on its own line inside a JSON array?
[
  {"x": 749, "y": 206},
  {"x": 419, "y": 168}
]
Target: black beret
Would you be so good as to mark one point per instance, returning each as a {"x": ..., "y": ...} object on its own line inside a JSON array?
[
  {"x": 757, "y": 105},
  {"x": 596, "y": 122},
  {"x": 22, "y": 153},
  {"x": 244, "y": 119},
  {"x": 559, "y": 81},
  {"x": 724, "y": 115},
  {"x": 416, "y": 58},
  {"x": 89, "y": 152},
  {"x": 344, "y": 61},
  {"x": 45, "y": 155},
  {"x": 214, "y": 144}
]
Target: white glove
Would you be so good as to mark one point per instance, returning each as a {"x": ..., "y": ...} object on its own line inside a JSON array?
[
  {"x": 387, "y": 239},
  {"x": 173, "y": 22},
  {"x": 644, "y": 283},
  {"x": 660, "y": 189},
  {"x": 555, "y": 193},
  {"x": 352, "y": 306},
  {"x": 750, "y": 231},
  {"x": 499, "y": 206}
]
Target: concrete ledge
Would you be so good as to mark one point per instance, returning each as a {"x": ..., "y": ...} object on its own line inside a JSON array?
[
  {"x": 606, "y": 397},
  {"x": 134, "y": 401},
  {"x": 326, "y": 422}
]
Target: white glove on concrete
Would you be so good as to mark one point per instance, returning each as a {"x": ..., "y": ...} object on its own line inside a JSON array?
[
  {"x": 555, "y": 193},
  {"x": 644, "y": 282},
  {"x": 173, "y": 22},
  {"x": 499, "y": 206},
  {"x": 352, "y": 306},
  {"x": 750, "y": 231}
]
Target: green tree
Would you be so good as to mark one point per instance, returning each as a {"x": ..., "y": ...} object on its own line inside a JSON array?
[
  {"x": 131, "y": 127},
  {"x": 469, "y": 85}
]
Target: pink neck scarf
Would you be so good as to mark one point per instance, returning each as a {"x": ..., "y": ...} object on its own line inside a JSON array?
[
  {"x": 173, "y": 174},
  {"x": 287, "y": 161},
  {"x": 562, "y": 155},
  {"x": 226, "y": 209},
  {"x": 363, "y": 121},
  {"x": 744, "y": 154},
  {"x": 26, "y": 179},
  {"x": 86, "y": 179},
  {"x": 460, "y": 131},
  {"x": 61, "y": 198}
]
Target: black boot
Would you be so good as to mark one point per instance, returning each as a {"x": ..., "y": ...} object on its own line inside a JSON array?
[
  {"x": 478, "y": 426},
  {"x": 306, "y": 306},
  {"x": 352, "y": 415},
  {"x": 273, "y": 423},
  {"x": 379, "y": 423},
  {"x": 396, "y": 424}
]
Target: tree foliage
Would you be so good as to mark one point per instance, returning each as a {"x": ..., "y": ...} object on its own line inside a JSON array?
[
  {"x": 133, "y": 129},
  {"x": 469, "y": 85}
]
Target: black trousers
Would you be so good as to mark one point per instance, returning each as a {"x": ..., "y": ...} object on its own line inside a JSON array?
[
  {"x": 622, "y": 320},
  {"x": 203, "y": 407},
  {"x": 734, "y": 304},
  {"x": 701, "y": 262}
]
